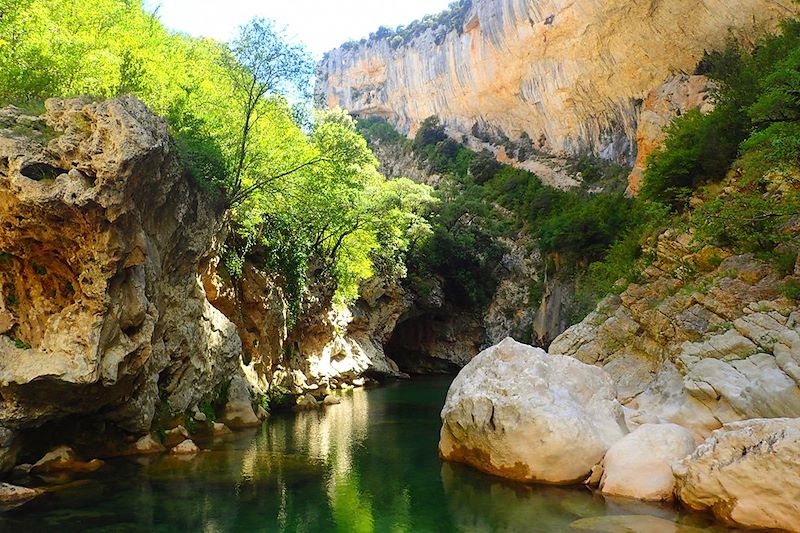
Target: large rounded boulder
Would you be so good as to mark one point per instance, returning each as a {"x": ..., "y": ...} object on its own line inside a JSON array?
[
  {"x": 517, "y": 412},
  {"x": 640, "y": 464},
  {"x": 747, "y": 474}
]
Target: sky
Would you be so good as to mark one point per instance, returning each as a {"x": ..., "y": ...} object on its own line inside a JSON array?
[{"x": 320, "y": 24}]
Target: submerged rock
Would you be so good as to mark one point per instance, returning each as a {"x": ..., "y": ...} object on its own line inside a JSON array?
[
  {"x": 747, "y": 474},
  {"x": 307, "y": 401},
  {"x": 640, "y": 464},
  {"x": 517, "y": 412},
  {"x": 144, "y": 446},
  {"x": 331, "y": 400},
  {"x": 632, "y": 524},
  {"x": 218, "y": 429}
]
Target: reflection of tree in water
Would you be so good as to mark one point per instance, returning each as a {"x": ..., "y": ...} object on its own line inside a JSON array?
[{"x": 367, "y": 465}]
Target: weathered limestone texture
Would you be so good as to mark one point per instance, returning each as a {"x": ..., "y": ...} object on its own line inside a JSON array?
[
  {"x": 747, "y": 474},
  {"x": 572, "y": 76},
  {"x": 102, "y": 235},
  {"x": 704, "y": 339}
]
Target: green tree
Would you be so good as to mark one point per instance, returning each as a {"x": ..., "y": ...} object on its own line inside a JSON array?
[{"x": 262, "y": 64}]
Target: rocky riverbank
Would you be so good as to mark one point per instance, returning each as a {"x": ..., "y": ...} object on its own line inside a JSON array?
[
  {"x": 517, "y": 412},
  {"x": 704, "y": 339}
]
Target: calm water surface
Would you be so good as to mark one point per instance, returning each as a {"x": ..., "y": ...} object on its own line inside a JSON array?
[{"x": 369, "y": 464}]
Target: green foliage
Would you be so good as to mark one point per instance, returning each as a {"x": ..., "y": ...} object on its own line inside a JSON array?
[
  {"x": 337, "y": 220},
  {"x": 624, "y": 260},
  {"x": 605, "y": 230},
  {"x": 21, "y": 345},
  {"x": 207, "y": 408},
  {"x": 279, "y": 398},
  {"x": 748, "y": 221},
  {"x": 453, "y": 18},
  {"x": 214, "y": 404},
  {"x": 483, "y": 167},
  {"x": 584, "y": 230},
  {"x": 430, "y": 133},
  {"x": 263, "y": 67},
  {"x": 306, "y": 200},
  {"x": 755, "y": 120},
  {"x": 698, "y": 149},
  {"x": 598, "y": 173},
  {"x": 784, "y": 261},
  {"x": 791, "y": 289},
  {"x": 376, "y": 129}
]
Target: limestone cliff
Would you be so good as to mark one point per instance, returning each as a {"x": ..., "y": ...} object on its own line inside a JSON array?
[
  {"x": 705, "y": 339},
  {"x": 569, "y": 76},
  {"x": 102, "y": 315}
]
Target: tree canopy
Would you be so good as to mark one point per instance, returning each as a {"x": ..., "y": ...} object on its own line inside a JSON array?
[{"x": 306, "y": 199}]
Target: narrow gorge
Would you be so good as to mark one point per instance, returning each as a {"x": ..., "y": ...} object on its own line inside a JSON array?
[{"x": 520, "y": 265}]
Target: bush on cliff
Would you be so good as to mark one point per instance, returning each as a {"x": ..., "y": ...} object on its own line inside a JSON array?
[{"x": 754, "y": 123}]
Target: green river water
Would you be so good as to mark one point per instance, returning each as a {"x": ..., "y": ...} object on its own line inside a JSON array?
[{"x": 366, "y": 465}]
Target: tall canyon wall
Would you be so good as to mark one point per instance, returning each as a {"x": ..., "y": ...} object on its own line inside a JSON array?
[{"x": 572, "y": 76}]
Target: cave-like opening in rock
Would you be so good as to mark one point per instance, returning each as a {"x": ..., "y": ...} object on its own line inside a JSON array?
[
  {"x": 416, "y": 346},
  {"x": 41, "y": 171}
]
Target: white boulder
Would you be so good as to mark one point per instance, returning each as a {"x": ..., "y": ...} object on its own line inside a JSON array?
[
  {"x": 517, "y": 412},
  {"x": 185, "y": 448},
  {"x": 12, "y": 494},
  {"x": 747, "y": 473},
  {"x": 640, "y": 464}
]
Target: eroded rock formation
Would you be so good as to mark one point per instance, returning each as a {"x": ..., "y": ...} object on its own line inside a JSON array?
[
  {"x": 568, "y": 76},
  {"x": 326, "y": 346},
  {"x": 102, "y": 313},
  {"x": 705, "y": 339},
  {"x": 747, "y": 474}
]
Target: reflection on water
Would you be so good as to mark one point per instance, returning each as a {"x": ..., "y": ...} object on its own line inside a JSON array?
[{"x": 367, "y": 465}]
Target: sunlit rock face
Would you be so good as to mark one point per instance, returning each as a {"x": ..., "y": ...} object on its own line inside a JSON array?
[
  {"x": 639, "y": 465},
  {"x": 662, "y": 105},
  {"x": 101, "y": 310},
  {"x": 571, "y": 75},
  {"x": 702, "y": 340},
  {"x": 516, "y": 412},
  {"x": 326, "y": 346}
]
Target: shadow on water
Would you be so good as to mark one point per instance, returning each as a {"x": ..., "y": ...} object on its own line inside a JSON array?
[{"x": 367, "y": 465}]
